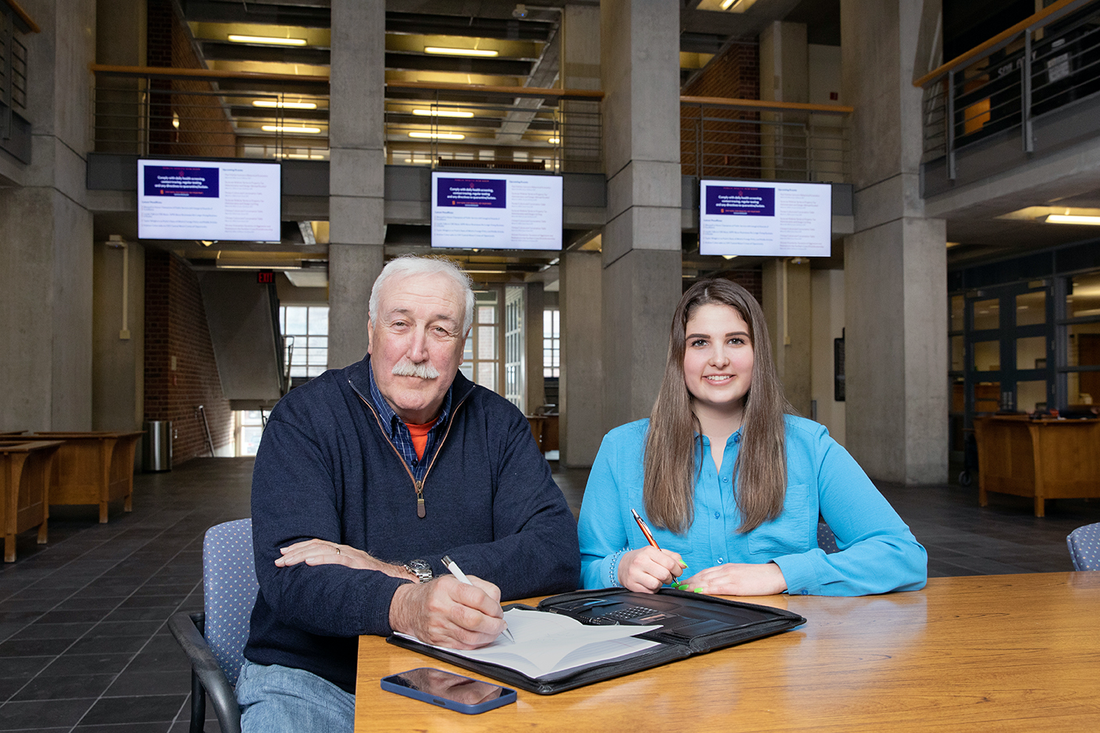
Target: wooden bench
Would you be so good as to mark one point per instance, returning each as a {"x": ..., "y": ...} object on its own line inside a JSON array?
[
  {"x": 1040, "y": 459},
  {"x": 26, "y": 467},
  {"x": 94, "y": 468}
]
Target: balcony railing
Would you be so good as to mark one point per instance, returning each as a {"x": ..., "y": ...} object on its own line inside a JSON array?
[
  {"x": 198, "y": 112},
  {"x": 746, "y": 138},
  {"x": 1044, "y": 63}
]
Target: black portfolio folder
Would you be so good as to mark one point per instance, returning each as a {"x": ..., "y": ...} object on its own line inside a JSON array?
[{"x": 690, "y": 623}]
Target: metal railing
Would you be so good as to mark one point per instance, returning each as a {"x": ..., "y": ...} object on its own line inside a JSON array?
[
  {"x": 197, "y": 112},
  {"x": 1043, "y": 63},
  {"x": 455, "y": 125},
  {"x": 746, "y": 138}
]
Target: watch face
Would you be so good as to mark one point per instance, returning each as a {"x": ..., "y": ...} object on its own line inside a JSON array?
[{"x": 421, "y": 569}]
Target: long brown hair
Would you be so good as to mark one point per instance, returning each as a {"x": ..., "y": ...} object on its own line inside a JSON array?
[{"x": 761, "y": 466}]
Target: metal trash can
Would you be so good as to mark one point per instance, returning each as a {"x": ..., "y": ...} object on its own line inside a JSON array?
[{"x": 156, "y": 446}]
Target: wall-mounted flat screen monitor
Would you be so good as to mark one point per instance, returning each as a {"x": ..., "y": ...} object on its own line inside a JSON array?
[
  {"x": 496, "y": 211},
  {"x": 223, "y": 200},
  {"x": 765, "y": 218}
]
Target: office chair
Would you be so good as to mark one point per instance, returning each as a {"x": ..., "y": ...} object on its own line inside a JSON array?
[
  {"x": 214, "y": 638},
  {"x": 826, "y": 540},
  {"x": 1084, "y": 547}
]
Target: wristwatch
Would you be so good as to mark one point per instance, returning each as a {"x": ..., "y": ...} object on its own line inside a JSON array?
[{"x": 421, "y": 569}]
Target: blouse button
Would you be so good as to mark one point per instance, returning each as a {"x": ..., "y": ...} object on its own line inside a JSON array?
[
  {"x": 721, "y": 560},
  {"x": 717, "y": 515}
]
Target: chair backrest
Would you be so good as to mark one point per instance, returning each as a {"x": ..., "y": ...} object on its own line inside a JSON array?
[
  {"x": 1084, "y": 547},
  {"x": 826, "y": 540},
  {"x": 229, "y": 592}
]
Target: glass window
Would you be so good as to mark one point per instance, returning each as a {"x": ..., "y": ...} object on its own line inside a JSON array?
[
  {"x": 551, "y": 342},
  {"x": 1083, "y": 297},
  {"x": 1031, "y": 352},
  {"x": 1083, "y": 344},
  {"x": 1031, "y": 308},
  {"x": 1031, "y": 395},
  {"x": 987, "y": 397},
  {"x": 987, "y": 314},
  {"x": 987, "y": 356},
  {"x": 305, "y": 337}
]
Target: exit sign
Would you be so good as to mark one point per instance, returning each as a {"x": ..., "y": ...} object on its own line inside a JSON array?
[{"x": 265, "y": 277}]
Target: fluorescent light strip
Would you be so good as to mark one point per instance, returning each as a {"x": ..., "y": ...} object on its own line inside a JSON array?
[
  {"x": 290, "y": 128},
  {"x": 554, "y": 140},
  {"x": 1071, "y": 219},
  {"x": 268, "y": 104},
  {"x": 460, "y": 51},
  {"x": 267, "y": 39},
  {"x": 442, "y": 113},
  {"x": 727, "y": 4},
  {"x": 437, "y": 135}
]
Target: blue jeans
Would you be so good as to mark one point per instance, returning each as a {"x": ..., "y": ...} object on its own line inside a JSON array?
[{"x": 277, "y": 699}]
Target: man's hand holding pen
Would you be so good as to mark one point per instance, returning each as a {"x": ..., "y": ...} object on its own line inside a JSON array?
[{"x": 446, "y": 612}]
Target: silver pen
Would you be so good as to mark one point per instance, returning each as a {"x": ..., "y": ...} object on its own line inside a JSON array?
[{"x": 461, "y": 577}]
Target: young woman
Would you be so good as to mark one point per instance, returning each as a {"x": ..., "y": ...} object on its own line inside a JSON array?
[{"x": 732, "y": 486}]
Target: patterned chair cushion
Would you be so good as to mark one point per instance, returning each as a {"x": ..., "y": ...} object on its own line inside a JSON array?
[{"x": 229, "y": 592}]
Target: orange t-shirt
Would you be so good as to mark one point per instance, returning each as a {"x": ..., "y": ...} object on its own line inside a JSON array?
[{"x": 419, "y": 434}]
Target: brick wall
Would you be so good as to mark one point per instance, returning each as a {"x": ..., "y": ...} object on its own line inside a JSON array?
[
  {"x": 204, "y": 129},
  {"x": 730, "y": 139},
  {"x": 175, "y": 326},
  {"x": 751, "y": 280}
]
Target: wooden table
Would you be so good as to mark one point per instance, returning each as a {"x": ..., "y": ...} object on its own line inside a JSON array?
[
  {"x": 1003, "y": 652},
  {"x": 94, "y": 468},
  {"x": 25, "y": 470},
  {"x": 1041, "y": 459}
]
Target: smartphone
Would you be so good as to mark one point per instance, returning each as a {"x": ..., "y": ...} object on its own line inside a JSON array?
[{"x": 449, "y": 690}]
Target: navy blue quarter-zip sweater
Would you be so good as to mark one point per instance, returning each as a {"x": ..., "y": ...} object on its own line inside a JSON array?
[{"x": 326, "y": 469}]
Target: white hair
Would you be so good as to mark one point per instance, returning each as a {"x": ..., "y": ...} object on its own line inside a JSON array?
[{"x": 406, "y": 265}]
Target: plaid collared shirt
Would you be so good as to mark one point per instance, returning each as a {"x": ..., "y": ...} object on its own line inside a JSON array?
[{"x": 399, "y": 432}]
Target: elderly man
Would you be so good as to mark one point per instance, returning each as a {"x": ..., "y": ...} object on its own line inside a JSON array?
[{"x": 365, "y": 478}]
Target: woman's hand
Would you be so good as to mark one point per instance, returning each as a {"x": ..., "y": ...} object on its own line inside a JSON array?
[
  {"x": 736, "y": 579},
  {"x": 647, "y": 569},
  {"x": 324, "y": 552}
]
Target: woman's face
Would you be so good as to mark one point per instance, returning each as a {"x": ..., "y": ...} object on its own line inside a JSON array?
[{"x": 718, "y": 360}]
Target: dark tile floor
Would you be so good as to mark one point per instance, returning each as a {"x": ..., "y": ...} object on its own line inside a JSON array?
[{"x": 84, "y": 644}]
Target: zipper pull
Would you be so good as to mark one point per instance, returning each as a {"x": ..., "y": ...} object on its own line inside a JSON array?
[{"x": 420, "y": 499}]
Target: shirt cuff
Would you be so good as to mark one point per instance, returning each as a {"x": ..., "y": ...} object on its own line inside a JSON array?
[{"x": 799, "y": 573}]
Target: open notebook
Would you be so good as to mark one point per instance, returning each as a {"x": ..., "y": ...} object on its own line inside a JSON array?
[
  {"x": 587, "y": 636},
  {"x": 546, "y": 643}
]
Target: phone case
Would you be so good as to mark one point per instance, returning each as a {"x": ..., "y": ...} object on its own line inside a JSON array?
[
  {"x": 691, "y": 623},
  {"x": 506, "y": 696}
]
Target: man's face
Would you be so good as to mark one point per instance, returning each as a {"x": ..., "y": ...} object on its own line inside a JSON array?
[{"x": 416, "y": 343}]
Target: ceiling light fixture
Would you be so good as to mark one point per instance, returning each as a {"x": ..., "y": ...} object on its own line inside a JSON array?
[
  {"x": 1072, "y": 219},
  {"x": 291, "y": 128},
  {"x": 727, "y": 4},
  {"x": 267, "y": 39},
  {"x": 442, "y": 113},
  {"x": 437, "y": 135},
  {"x": 271, "y": 104},
  {"x": 554, "y": 140},
  {"x": 461, "y": 51}
]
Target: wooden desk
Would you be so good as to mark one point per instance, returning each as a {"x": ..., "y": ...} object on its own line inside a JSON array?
[
  {"x": 94, "y": 468},
  {"x": 25, "y": 470},
  {"x": 1042, "y": 459},
  {"x": 1005, "y": 653}
]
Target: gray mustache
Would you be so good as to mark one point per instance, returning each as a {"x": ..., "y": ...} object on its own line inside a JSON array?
[{"x": 406, "y": 368}]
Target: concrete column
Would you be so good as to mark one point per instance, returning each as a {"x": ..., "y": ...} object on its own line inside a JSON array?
[
  {"x": 784, "y": 77},
  {"x": 46, "y": 235},
  {"x": 580, "y": 388},
  {"x": 118, "y": 336},
  {"x": 580, "y": 51},
  {"x": 896, "y": 262},
  {"x": 639, "y": 52},
  {"x": 786, "y": 286},
  {"x": 356, "y": 173},
  {"x": 535, "y": 387},
  {"x": 827, "y": 317}
]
